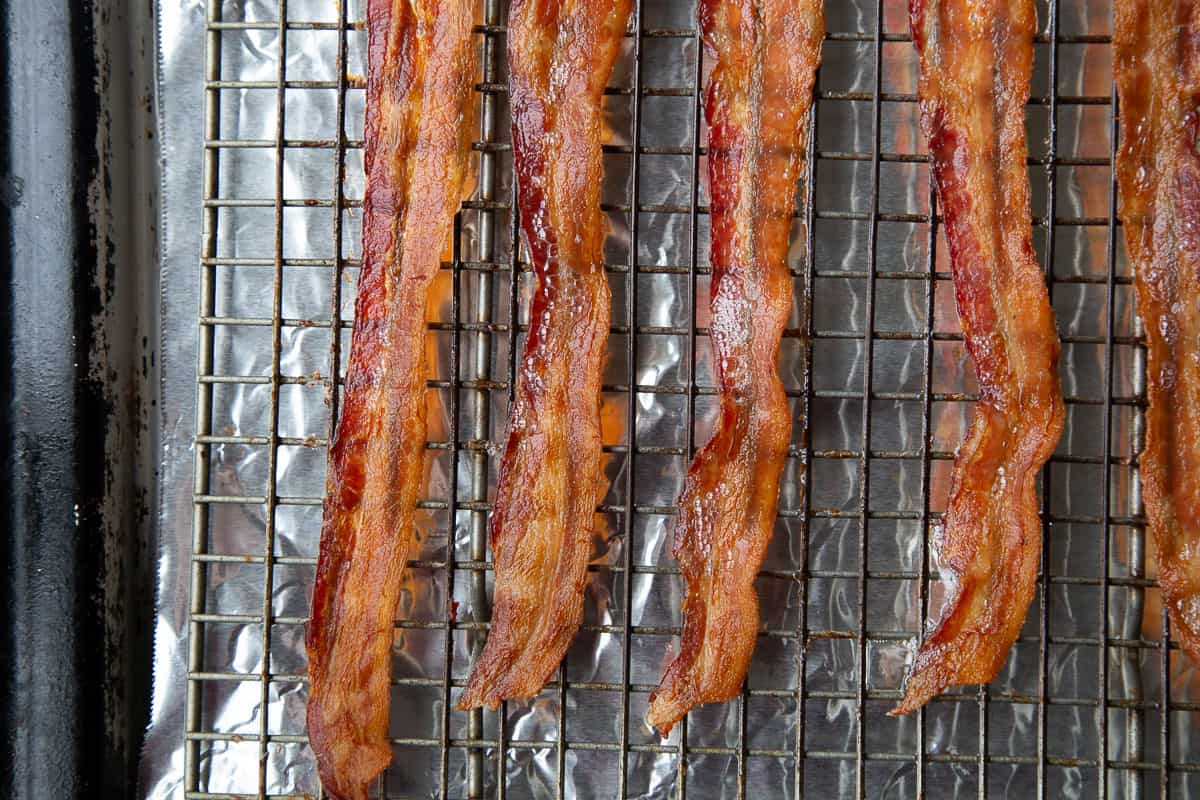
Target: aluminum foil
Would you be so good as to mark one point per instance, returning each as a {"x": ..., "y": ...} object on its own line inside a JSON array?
[{"x": 229, "y": 712}]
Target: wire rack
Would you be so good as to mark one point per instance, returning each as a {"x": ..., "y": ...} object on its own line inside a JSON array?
[{"x": 1094, "y": 701}]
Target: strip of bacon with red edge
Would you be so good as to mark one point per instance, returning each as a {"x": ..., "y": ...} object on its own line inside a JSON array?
[
  {"x": 766, "y": 54},
  {"x": 560, "y": 57},
  {"x": 976, "y": 59},
  {"x": 420, "y": 63}
]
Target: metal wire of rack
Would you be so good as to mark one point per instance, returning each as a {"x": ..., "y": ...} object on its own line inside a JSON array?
[{"x": 1140, "y": 703}]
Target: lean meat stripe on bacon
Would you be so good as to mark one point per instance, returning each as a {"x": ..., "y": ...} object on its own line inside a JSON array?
[
  {"x": 420, "y": 64},
  {"x": 1156, "y": 58},
  {"x": 766, "y": 54},
  {"x": 976, "y": 58},
  {"x": 560, "y": 57}
]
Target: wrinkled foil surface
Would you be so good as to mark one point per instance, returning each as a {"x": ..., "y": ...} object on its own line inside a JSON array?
[{"x": 798, "y": 729}]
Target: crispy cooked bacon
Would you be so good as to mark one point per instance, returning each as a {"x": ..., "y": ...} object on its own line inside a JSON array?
[
  {"x": 418, "y": 98},
  {"x": 766, "y": 54},
  {"x": 976, "y": 58},
  {"x": 1156, "y": 55},
  {"x": 560, "y": 56}
]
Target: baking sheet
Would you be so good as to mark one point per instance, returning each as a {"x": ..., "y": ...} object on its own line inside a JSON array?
[{"x": 810, "y": 587}]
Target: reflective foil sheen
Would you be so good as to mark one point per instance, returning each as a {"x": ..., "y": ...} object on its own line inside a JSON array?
[{"x": 236, "y": 544}]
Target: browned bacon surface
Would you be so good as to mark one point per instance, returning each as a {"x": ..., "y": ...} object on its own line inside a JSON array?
[
  {"x": 766, "y": 54},
  {"x": 976, "y": 58},
  {"x": 420, "y": 62},
  {"x": 1156, "y": 54},
  {"x": 560, "y": 56}
]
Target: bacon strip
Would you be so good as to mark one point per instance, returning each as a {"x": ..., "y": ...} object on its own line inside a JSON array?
[
  {"x": 418, "y": 101},
  {"x": 976, "y": 59},
  {"x": 757, "y": 104},
  {"x": 560, "y": 56},
  {"x": 1156, "y": 54}
]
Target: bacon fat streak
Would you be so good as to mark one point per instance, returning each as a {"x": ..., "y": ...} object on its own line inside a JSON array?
[
  {"x": 976, "y": 59},
  {"x": 420, "y": 62},
  {"x": 766, "y": 54},
  {"x": 1156, "y": 58},
  {"x": 560, "y": 57}
]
